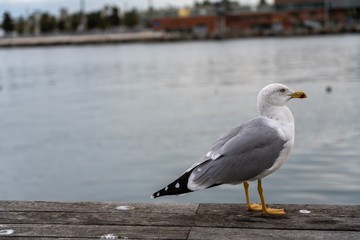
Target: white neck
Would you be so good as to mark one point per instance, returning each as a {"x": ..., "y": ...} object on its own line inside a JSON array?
[
  {"x": 277, "y": 113},
  {"x": 282, "y": 120}
]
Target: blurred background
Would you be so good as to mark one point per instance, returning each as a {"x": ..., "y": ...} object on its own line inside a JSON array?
[{"x": 84, "y": 121}]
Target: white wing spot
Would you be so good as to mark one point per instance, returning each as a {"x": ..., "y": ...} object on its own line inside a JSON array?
[
  {"x": 199, "y": 169},
  {"x": 177, "y": 185},
  {"x": 158, "y": 194},
  {"x": 166, "y": 188},
  {"x": 215, "y": 155}
]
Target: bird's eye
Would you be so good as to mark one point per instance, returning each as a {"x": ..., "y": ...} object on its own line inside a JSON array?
[{"x": 282, "y": 90}]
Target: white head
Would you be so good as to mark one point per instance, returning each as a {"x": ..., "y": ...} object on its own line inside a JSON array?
[{"x": 277, "y": 94}]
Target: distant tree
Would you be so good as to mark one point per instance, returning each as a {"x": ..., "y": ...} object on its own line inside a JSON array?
[
  {"x": 225, "y": 3},
  {"x": 205, "y": 3},
  {"x": 30, "y": 23},
  {"x": 131, "y": 19},
  {"x": 229, "y": 4},
  {"x": 8, "y": 23},
  {"x": 20, "y": 25},
  {"x": 61, "y": 25},
  {"x": 262, "y": 3},
  {"x": 75, "y": 20},
  {"x": 95, "y": 21},
  {"x": 114, "y": 18},
  {"x": 47, "y": 23}
]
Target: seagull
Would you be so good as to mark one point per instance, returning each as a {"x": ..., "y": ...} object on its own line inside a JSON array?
[{"x": 247, "y": 152}]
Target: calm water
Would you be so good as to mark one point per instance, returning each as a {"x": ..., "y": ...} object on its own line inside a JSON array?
[{"x": 118, "y": 122}]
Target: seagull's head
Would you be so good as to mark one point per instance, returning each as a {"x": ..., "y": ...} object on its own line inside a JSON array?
[{"x": 277, "y": 94}]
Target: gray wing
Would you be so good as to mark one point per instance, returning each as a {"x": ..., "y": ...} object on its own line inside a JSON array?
[
  {"x": 214, "y": 152},
  {"x": 240, "y": 155}
]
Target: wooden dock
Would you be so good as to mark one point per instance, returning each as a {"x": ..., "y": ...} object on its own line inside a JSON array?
[{"x": 92, "y": 220}]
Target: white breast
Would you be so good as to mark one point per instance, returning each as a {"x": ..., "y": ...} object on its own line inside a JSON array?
[{"x": 286, "y": 132}]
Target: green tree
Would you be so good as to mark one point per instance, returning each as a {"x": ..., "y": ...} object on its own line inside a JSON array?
[
  {"x": 114, "y": 18},
  {"x": 263, "y": 3},
  {"x": 95, "y": 21},
  {"x": 8, "y": 23},
  {"x": 75, "y": 21},
  {"x": 20, "y": 25},
  {"x": 229, "y": 4},
  {"x": 47, "y": 23},
  {"x": 131, "y": 19},
  {"x": 31, "y": 23},
  {"x": 61, "y": 25},
  {"x": 205, "y": 3}
]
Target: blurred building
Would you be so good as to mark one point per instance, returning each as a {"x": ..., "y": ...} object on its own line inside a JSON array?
[
  {"x": 285, "y": 16},
  {"x": 207, "y": 24},
  {"x": 319, "y": 13},
  {"x": 312, "y": 4}
]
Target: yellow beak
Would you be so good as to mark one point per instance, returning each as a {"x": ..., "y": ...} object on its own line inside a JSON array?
[{"x": 298, "y": 95}]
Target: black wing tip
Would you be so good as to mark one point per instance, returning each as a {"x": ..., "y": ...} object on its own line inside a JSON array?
[
  {"x": 160, "y": 193},
  {"x": 155, "y": 195},
  {"x": 178, "y": 187},
  {"x": 171, "y": 190}
]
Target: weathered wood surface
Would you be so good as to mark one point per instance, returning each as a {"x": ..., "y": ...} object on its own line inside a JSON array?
[{"x": 91, "y": 220}]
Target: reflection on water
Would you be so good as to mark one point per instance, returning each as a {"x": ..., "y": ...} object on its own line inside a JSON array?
[{"x": 118, "y": 122}]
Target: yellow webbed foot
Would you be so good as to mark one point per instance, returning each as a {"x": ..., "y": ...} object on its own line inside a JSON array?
[
  {"x": 274, "y": 211},
  {"x": 254, "y": 207}
]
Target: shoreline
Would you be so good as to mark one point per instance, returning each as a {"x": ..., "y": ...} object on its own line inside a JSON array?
[
  {"x": 150, "y": 36},
  {"x": 83, "y": 39}
]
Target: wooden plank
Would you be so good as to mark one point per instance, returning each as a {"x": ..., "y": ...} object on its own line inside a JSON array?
[
  {"x": 89, "y": 220},
  {"x": 52, "y": 238},
  {"x": 199, "y": 233},
  {"x": 42, "y": 206},
  {"x": 214, "y": 215},
  {"x": 321, "y": 217},
  {"x": 94, "y": 218},
  {"x": 95, "y": 231}
]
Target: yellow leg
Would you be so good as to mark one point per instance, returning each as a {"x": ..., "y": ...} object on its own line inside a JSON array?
[
  {"x": 264, "y": 208},
  {"x": 254, "y": 206}
]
